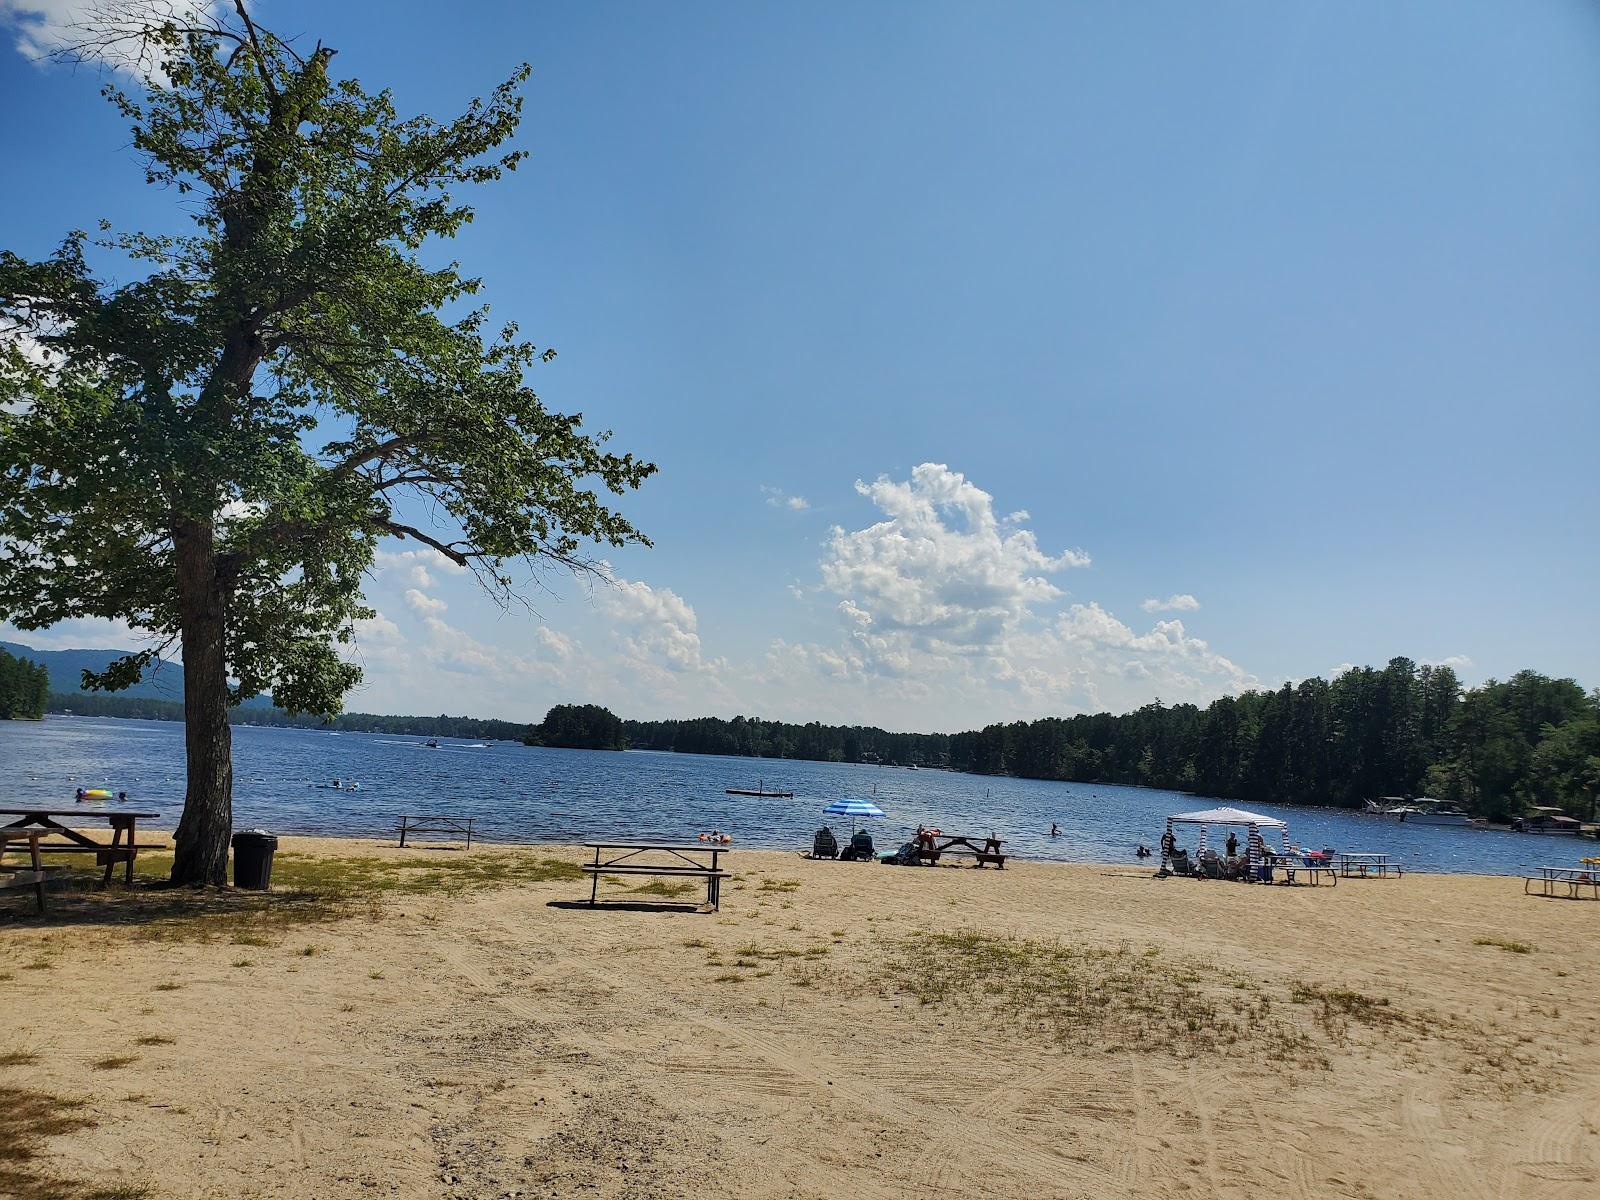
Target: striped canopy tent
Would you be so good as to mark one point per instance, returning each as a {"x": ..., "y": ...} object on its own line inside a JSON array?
[{"x": 1206, "y": 817}]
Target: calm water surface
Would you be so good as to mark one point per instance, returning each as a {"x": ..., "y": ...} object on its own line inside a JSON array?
[{"x": 520, "y": 793}]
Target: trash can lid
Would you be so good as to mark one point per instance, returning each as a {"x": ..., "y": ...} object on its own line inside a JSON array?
[{"x": 254, "y": 835}]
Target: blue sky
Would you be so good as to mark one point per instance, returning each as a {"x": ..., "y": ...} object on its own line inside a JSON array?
[{"x": 1284, "y": 310}]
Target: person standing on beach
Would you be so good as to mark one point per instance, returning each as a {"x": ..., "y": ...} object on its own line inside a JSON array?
[{"x": 1233, "y": 844}]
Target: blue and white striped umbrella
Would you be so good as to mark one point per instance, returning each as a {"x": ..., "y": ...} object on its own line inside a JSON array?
[
  {"x": 853, "y": 808},
  {"x": 850, "y": 807}
]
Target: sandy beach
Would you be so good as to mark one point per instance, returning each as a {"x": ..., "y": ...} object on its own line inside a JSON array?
[{"x": 451, "y": 1027}]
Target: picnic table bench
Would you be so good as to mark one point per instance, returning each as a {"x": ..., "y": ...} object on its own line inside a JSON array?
[
  {"x": 1573, "y": 879},
  {"x": 931, "y": 846},
  {"x": 1353, "y": 865},
  {"x": 30, "y": 876},
  {"x": 436, "y": 823},
  {"x": 1293, "y": 864},
  {"x": 686, "y": 861},
  {"x": 123, "y": 847}
]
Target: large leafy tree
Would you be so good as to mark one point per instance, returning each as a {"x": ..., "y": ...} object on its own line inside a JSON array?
[{"x": 213, "y": 450}]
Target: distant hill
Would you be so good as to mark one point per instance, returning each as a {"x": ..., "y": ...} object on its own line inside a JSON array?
[{"x": 161, "y": 681}]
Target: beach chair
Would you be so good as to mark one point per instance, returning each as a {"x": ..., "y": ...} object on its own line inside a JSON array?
[
  {"x": 1179, "y": 863},
  {"x": 1210, "y": 865},
  {"x": 824, "y": 845},
  {"x": 860, "y": 848}
]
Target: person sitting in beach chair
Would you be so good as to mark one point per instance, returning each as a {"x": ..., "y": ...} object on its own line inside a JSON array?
[
  {"x": 824, "y": 845},
  {"x": 1210, "y": 864},
  {"x": 860, "y": 848}
]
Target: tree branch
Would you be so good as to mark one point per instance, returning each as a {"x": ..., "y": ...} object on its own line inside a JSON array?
[{"x": 458, "y": 557}]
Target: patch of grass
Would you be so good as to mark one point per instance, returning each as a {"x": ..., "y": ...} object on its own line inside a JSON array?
[
  {"x": 155, "y": 1039},
  {"x": 375, "y": 975},
  {"x": 1337, "y": 1008},
  {"x": 728, "y": 977},
  {"x": 307, "y": 889},
  {"x": 1508, "y": 947},
  {"x": 694, "y": 943},
  {"x": 310, "y": 951},
  {"x": 1086, "y": 996},
  {"x": 350, "y": 875},
  {"x": 757, "y": 950},
  {"x": 347, "y": 1008},
  {"x": 243, "y": 962},
  {"x": 18, "y": 1058},
  {"x": 660, "y": 887},
  {"x": 114, "y": 1062},
  {"x": 169, "y": 986},
  {"x": 39, "y": 963},
  {"x": 779, "y": 885}
]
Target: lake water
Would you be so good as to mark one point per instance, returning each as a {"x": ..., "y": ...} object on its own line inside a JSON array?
[{"x": 532, "y": 794}]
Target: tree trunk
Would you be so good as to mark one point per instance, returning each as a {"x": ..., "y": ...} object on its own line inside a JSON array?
[{"x": 207, "y": 824}]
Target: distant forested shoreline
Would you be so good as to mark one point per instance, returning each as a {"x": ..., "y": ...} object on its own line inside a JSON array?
[
  {"x": 1402, "y": 730},
  {"x": 91, "y": 704}
]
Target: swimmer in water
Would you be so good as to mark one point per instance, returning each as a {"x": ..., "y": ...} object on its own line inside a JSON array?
[{"x": 1054, "y": 830}]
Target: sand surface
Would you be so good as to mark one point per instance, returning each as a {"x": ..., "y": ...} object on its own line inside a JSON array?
[{"x": 837, "y": 1030}]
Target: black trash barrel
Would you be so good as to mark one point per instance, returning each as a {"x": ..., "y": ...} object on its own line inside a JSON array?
[{"x": 252, "y": 859}]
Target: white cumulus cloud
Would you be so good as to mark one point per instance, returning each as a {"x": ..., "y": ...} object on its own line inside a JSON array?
[
  {"x": 659, "y": 628},
  {"x": 1177, "y": 602},
  {"x": 778, "y": 498},
  {"x": 952, "y": 617},
  {"x": 414, "y": 564},
  {"x": 423, "y": 604},
  {"x": 940, "y": 568}
]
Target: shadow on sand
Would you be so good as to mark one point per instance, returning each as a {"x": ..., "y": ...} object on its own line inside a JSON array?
[
  {"x": 78, "y": 902},
  {"x": 27, "y": 1120},
  {"x": 656, "y": 906}
]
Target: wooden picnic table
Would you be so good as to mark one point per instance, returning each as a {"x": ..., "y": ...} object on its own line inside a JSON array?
[
  {"x": 1293, "y": 864},
  {"x": 1353, "y": 865},
  {"x": 931, "y": 846},
  {"x": 436, "y": 823},
  {"x": 1574, "y": 879},
  {"x": 33, "y": 875},
  {"x": 684, "y": 859},
  {"x": 124, "y": 847}
]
